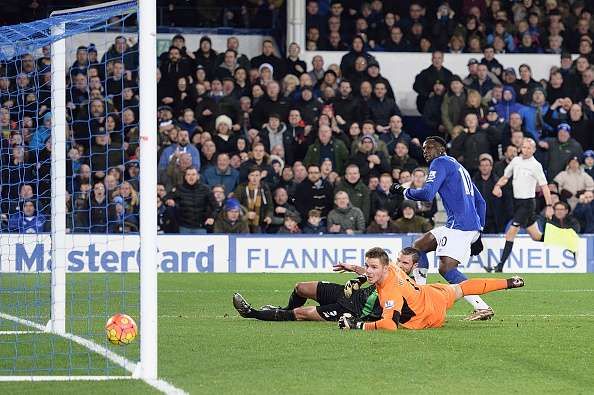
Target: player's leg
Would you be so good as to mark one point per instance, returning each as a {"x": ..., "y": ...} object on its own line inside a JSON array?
[
  {"x": 327, "y": 312},
  {"x": 535, "y": 233},
  {"x": 523, "y": 217},
  {"x": 307, "y": 313},
  {"x": 453, "y": 248},
  {"x": 480, "y": 286},
  {"x": 424, "y": 244},
  {"x": 301, "y": 292},
  {"x": 246, "y": 311},
  {"x": 448, "y": 268},
  {"x": 510, "y": 235}
]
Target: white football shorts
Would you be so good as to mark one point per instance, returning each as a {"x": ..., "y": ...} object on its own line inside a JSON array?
[{"x": 454, "y": 243}]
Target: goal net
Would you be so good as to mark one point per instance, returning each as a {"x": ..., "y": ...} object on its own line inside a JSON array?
[{"x": 70, "y": 226}]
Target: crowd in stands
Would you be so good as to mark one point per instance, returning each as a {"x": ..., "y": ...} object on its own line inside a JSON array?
[
  {"x": 273, "y": 145},
  {"x": 252, "y": 14},
  {"x": 454, "y": 26}
]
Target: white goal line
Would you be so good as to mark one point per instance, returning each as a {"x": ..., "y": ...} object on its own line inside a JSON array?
[
  {"x": 125, "y": 363},
  {"x": 64, "y": 378}
]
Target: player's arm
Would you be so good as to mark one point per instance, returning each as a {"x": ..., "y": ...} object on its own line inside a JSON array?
[
  {"x": 507, "y": 173},
  {"x": 347, "y": 267},
  {"x": 437, "y": 175},
  {"x": 390, "y": 315}
]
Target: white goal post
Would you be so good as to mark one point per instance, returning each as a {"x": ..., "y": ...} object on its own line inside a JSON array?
[
  {"x": 146, "y": 369},
  {"x": 147, "y": 36}
]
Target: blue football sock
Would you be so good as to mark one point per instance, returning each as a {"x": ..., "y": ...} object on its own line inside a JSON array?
[{"x": 454, "y": 276}]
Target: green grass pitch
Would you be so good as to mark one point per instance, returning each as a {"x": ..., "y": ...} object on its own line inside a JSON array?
[{"x": 540, "y": 341}]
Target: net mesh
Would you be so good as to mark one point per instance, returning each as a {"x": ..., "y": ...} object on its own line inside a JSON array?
[{"x": 101, "y": 193}]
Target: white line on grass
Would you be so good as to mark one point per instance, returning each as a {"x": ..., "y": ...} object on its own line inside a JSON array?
[
  {"x": 130, "y": 366},
  {"x": 64, "y": 378},
  {"x": 19, "y": 332}
]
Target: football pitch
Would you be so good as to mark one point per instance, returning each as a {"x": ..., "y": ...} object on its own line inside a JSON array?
[{"x": 541, "y": 340}]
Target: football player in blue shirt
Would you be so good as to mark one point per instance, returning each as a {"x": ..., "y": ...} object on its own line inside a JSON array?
[{"x": 465, "y": 208}]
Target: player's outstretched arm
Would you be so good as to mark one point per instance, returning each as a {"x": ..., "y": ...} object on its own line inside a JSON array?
[
  {"x": 436, "y": 177},
  {"x": 347, "y": 267}
]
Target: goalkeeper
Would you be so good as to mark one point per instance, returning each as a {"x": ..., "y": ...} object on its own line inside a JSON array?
[
  {"x": 412, "y": 306},
  {"x": 334, "y": 300}
]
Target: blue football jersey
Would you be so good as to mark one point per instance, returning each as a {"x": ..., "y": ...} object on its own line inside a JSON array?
[{"x": 463, "y": 202}]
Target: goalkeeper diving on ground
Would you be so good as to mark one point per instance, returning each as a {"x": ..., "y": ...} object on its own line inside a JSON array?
[{"x": 393, "y": 300}]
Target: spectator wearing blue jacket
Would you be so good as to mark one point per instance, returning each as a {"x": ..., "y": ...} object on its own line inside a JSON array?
[
  {"x": 221, "y": 174},
  {"x": 533, "y": 115},
  {"x": 27, "y": 220},
  {"x": 508, "y": 103},
  {"x": 42, "y": 133},
  {"x": 182, "y": 145}
]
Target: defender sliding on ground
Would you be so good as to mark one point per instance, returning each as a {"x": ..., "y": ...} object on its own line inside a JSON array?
[{"x": 334, "y": 300}]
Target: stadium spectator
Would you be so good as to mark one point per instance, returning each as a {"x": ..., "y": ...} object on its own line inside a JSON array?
[
  {"x": 290, "y": 223},
  {"x": 347, "y": 63},
  {"x": 221, "y": 174},
  {"x": 326, "y": 146},
  {"x": 123, "y": 221},
  {"x": 313, "y": 193},
  {"x": 381, "y": 198},
  {"x": 27, "y": 220},
  {"x": 256, "y": 198},
  {"x": 353, "y": 185},
  {"x": 231, "y": 220},
  {"x": 381, "y": 107},
  {"x": 563, "y": 219},
  {"x": 401, "y": 159},
  {"x": 453, "y": 104},
  {"x": 508, "y": 104},
  {"x": 267, "y": 56},
  {"x": 474, "y": 141},
  {"x": 410, "y": 222},
  {"x": 572, "y": 181},
  {"x": 560, "y": 150},
  {"x": 182, "y": 146},
  {"x": 194, "y": 203},
  {"x": 584, "y": 211},
  {"x": 257, "y": 157},
  {"x": 281, "y": 208},
  {"x": 425, "y": 80},
  {"x": 166, "y": 216},
  {"x": 382, "y": 223},
  {"x": 314, "y": 224},
  {"x": 345, "y": 218},
  {"x": 370, "y": 161},
  {"x": 485, "y": 180},
  {"x": 424, "y": 209}
]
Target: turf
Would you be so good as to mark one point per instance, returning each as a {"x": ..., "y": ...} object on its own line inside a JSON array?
[{"x": 540, "y": 341}]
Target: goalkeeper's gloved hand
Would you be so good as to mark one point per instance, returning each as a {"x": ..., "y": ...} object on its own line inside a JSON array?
[
  {"x": 476, "y": 247},
  {"x": 397, "y": 189},
  {"x": 354, "y": 285},
  {"x": 348, "y": 322}
]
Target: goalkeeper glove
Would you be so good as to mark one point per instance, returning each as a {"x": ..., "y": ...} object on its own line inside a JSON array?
[
  {"x": 476, "y": 247},
  {"x": 397, "y": 189},
  {"x": 348, "y": 322},
  {"x": 354, "y": 285}
]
